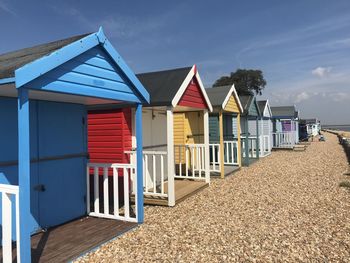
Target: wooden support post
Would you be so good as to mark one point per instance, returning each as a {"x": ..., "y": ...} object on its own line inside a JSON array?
[
  {"x": 257, "y": 138},
  {"x": 246, "y": 149},
  {"x": 171, "y": 157},
  {"x": 139, "y": 164},
  {"x": 239, "y": 146},
  {"x": 24, "y": 174},
  {"x": 206, "y": 146},
  {"x": 221, "y": 153}
]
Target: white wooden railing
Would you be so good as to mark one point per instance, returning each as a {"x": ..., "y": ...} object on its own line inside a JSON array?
[
  {"x": 9, "y": 193},
  {"x": 190, "y": 160},
  {"x": 251, "y": 146},
  {"x": 230, "y": 155},
  {"x": 283, "y": 139},
  {"x": 154, "y": 172},
  {"x": 230, "y": 152},
  {"x": 264, "y": 145},
  {"x": 113, "y": 171},
  {"x": 214, "y": 152}
]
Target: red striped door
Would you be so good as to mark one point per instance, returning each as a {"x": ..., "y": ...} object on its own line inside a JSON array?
[{"x": 109, "y": 135}]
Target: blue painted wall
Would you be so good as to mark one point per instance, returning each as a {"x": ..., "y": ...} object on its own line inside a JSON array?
[
  {"x": 214, "y": 136},
  {"x": 93, "y": 73},
  {"x": 228, "y": 129},
  {"x": 253, "y": 109},
  {"x": 56, "y": 129}
]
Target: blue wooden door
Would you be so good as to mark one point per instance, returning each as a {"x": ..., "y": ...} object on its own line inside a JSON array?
[
  {"x": 228, "y": 129},
  {"x": 61, "y": 171}
]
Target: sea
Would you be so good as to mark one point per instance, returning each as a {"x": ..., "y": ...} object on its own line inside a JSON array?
[{"x": 345, "y": 127}]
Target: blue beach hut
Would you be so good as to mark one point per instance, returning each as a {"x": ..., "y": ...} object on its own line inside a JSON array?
[{"x": 44, "y": 166}]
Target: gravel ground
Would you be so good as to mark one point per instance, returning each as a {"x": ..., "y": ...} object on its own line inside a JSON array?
[{"x": 286, "y": 207}]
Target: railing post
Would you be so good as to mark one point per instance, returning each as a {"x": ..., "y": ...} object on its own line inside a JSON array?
[
  {"x": 6, "y": 227},
  {"x": 239, "y": 146},
  {"x": 246, "y": 143},
  {"x": 222, "y": 148},
  {"x": 24, "y": 173},
  {"x": 170, "y": 149},
  {"x": 206, "y": 146},
  {"x": 257, "y": 138},
  {"x": 139, "y": 165}
]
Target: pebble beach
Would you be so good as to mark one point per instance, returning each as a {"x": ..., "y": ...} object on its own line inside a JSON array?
[{"x": 287, "y": 207}]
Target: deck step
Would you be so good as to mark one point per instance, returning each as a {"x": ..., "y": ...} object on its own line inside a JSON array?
[{"x": 299, "y": 148}]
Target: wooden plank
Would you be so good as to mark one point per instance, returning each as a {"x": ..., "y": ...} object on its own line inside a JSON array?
[
  {"x": 183, "y": 190},
  {"x": 69, "y": 241},
  {"x": 228, "y": 170}
]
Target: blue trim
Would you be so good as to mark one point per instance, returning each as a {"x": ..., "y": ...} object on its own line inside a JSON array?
[
  {"x": 24, "y": 174},
  {"x": 121, "y": 63},
  {"x": 43, "y": 65},
  {"x": 7, "y": 80},
  {"x": 83, "y": 90},
  {"x": 139, "y": 168}
]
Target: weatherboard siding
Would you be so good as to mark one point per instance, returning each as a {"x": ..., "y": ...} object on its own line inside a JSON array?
[
  {"x": 232, "y": 105},
  {"x": 179, "y": 136},
  {"x": 91, "y": 73},
  {"x": 109, "y": 135},
  {"x": 214, "y": 128},
  {"x": 253, "y": 109},
  {"x": 193, "y": 96}
]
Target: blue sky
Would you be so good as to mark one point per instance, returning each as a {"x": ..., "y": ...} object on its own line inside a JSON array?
[{"x": 303, "y": 47}]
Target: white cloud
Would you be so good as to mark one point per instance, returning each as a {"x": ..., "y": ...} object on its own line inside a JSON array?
[
  {"x": 341, "y": 96},
  {"x": 321, "y": 71},
  {"x": 302, "y": 96}
]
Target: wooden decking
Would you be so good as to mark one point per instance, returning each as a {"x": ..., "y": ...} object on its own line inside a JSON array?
[
  {"x": 183, "y": 190},
  {"x": 69, "y": 241},
  {"x": 228, "y": 170}
]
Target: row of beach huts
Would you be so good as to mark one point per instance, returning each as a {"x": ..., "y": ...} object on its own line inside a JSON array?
[{"x": 82, "y": 135}]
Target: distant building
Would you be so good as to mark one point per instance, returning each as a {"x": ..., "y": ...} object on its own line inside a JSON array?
[{"x": 311, "y": 127}]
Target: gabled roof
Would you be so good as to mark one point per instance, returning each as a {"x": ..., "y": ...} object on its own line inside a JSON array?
[
  {"x": 263, "y": 104},
  {"x": 11, "y": 61},
  {"x": 30, "y": 64},
  {"x": 219, "y": 96},
  {"x": 309, "y": 121},
  {"x": 163, "y": 85},
  {"x": 284, "y": 112},
  {"x": 166, "y": 87},
  {"x": 246, "y": 100}
]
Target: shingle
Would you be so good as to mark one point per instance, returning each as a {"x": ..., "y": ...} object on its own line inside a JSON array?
[
  {"x": 11, "y": 61},
  {"x": 284, "y": 111},
  {"x": 163, "y": 85},
  {"x": 217, "y": 95},
  {"x": 262, "y": 105}
]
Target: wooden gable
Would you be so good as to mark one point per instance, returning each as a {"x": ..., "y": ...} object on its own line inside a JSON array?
[
  {"x": 253, "y": 109},
  {"x": 232, "y": 105},
  {"x": 193, "y": 96}
]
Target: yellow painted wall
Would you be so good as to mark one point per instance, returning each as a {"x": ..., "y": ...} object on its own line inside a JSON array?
[
  {"x": 194, "y": 127},
  {"x": 186, "y": 126},
  {"x": 232, "y": 105}
]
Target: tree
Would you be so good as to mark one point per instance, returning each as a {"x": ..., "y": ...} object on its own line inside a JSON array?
[{"x": 247, "y": 81}]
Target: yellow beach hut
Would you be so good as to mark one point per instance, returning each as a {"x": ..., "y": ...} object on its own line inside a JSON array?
[{"x": 224, "y": 140}]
